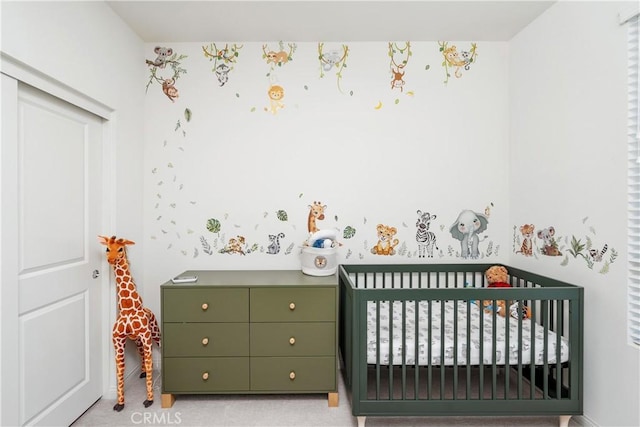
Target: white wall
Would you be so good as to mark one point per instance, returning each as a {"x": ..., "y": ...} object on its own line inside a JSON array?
[
  {"x": 568, "y": 121},
  {"x": 434, "y": 147},
  {"x": 85, "y": 46}
]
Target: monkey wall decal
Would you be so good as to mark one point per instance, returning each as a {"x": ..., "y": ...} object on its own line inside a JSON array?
[
  {"x": 165, "y": 56},
  {"x": 458, "y": 60},
  {"x": 397, "y": 80},
  {"x": 397, "y": 69},
  {"x": 169, "y": 89}
]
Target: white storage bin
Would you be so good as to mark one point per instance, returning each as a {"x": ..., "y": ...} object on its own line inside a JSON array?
[{"x": 319, "y": 261}]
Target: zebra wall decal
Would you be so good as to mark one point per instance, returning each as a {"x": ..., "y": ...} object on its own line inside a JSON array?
[{"x": 426, "y": 239}]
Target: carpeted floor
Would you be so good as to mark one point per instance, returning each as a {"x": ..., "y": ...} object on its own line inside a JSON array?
[{"x": 267, "y": 411}]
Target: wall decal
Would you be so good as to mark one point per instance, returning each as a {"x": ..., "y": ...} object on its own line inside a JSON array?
[
  {"x": 238, "y": 245},
  {"x": 397, "y": 67},
  {"x": 166, "y": 55},
  {"x": 426, "y": 239},
  {"x": 187, "y": 116},
  {"x": 282, "y": 215},
  {"x": 549, "y": 243},
  {"x": 467, "y": 229},
  {"x": 333, "y": 58},
  {"x": 223, "y": 60},
  {"x": 280, "y": 57},
  {"x": 526, "y": 248},
  {"x": 602, "y": 255},
  {"x": 213, "y": 225},
  {"x": 348, "y": 232},
  {"x": 386, "y": 242},
  {"x": 275, "y": 93},
  {"x": 316, "y": 213},
  {"x": 457, "y": 60},
  {"x": 274, "y": 243}
]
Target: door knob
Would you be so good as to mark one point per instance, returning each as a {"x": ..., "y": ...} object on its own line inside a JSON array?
[{"x": 95, "y": 274}]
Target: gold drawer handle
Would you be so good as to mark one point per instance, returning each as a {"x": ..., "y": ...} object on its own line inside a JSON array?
[
  {"x": 205, "y": 341},
  {"x": 205, "y": 306},
  {"x": 292, "y": 306},
  {"x": 205, "y": 376},
  {"x": 292, "y": 340},
  {"x": 292, "y": 375}
]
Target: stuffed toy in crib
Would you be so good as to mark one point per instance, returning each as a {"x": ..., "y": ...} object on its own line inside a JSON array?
[{"x": 497, "y": 277}]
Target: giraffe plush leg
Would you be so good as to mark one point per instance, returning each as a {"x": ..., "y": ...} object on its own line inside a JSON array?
[
  {"x": 140, "y": 349},
  {"x": 148, "y": 367},
  {"x": 119, "y": 344}
]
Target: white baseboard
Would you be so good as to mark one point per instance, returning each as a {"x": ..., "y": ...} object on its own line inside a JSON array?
[{"x": 584, "y": 421}]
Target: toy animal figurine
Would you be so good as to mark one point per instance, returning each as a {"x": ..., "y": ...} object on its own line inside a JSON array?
[
  {"x": 497, "y": 277},
  {"x": 134, "y": 321}
]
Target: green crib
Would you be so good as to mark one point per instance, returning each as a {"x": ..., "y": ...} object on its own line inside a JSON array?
[{"x": 416, "y": 340}]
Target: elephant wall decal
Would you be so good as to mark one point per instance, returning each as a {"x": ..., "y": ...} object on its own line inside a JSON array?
[{"x": 466, "y": 229}]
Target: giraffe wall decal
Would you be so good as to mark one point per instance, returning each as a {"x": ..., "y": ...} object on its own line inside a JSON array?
[
  {"x": 134, "y": 321},
  {"x": 316, "y": 212}
]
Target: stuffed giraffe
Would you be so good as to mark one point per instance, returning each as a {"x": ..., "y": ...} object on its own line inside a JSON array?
[
  {"x": 134, "y": 321},
  {"x": 316, "y": 212}
]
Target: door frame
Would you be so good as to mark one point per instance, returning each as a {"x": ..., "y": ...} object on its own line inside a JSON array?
[{"x": 9, "y": 356}]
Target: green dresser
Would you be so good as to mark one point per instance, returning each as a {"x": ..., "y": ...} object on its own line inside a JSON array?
[{"x": 250, "y": 332}]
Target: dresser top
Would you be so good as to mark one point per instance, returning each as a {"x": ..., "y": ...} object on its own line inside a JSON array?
[{"x": 253, "y": 278}]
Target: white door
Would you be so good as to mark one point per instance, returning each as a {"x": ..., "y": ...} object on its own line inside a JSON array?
[{"x": 51, "y": 185}]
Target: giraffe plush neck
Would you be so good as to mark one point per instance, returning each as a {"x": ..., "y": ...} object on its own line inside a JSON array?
[
  {"x": 127, "y": 293},
  {"x": 134, "y": 321}
]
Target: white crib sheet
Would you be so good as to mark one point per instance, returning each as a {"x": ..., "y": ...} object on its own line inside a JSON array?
[{"x": 437, "y": 337}]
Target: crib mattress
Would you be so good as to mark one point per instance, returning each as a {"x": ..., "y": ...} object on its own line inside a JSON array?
[{"x": 381, "y": 329}]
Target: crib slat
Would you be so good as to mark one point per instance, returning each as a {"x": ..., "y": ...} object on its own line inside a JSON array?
[
  {"x": 404, "y": 350},
  {"x": 455, "y": 349},
  {"x": 377, "y": 350},
  {"x": 430, "y": 353},
  {"x": 494, "y": 368},
  {"x": 545, "y": 352},
  {"x": 520, "y": 323},
  {"x": 559, "y": 331},
  {"x": 416, "y": 381},
  {"x": 468, "y": 344},
  {"x": 481, "y": 341},
  {"x": 532, "y": 363},
  {"x": 507, "y": 371},
  {"x": 390, "y": 350},
  {"x": 442, "y": 341}
]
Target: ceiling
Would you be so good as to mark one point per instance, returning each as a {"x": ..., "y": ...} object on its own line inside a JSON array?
[{"x": 325, "y": 20}]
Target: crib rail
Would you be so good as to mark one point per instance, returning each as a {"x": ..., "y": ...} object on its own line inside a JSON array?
[{"x": 408, "y": 382}]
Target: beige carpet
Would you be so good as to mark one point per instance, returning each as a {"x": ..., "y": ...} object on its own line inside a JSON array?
[{"x": 266, "y": 411}]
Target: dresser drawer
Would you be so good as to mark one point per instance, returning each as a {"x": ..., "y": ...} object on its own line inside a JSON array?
[
  {"x": 205, "y": 339},
  {"x": 313, "y": 374},
  {"x": 205, "y": 374},
  {"x": 293, "y": 339},
  {"x": 293, "y": 304},
  {"x": 205, "y": 305}
]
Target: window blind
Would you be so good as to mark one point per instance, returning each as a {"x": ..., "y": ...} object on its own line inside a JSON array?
[{"x": 634, "y": 183}]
